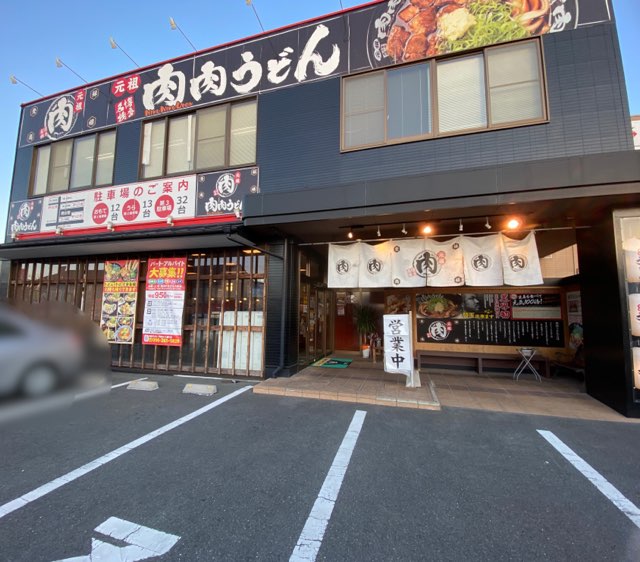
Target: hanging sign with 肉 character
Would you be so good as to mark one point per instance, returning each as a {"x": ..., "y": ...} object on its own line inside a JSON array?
[
  {"x": 164, "y": 304},
  {"x": 119, "y": 299}
]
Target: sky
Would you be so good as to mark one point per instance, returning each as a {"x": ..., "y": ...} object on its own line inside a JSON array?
[{"x": 78, "y": 33}]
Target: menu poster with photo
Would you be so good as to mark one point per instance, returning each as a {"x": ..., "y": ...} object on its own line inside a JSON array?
[
  {"x": 164, "y": 305},
  {"x": 533, "y": 319},
  {"x": 119, "y": 300}
]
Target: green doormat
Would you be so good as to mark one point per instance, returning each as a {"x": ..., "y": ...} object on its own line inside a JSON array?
[{"x": 333, "y": 363}]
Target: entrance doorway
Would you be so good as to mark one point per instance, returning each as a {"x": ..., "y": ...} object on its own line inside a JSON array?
[{"x": 346, "y": 334}]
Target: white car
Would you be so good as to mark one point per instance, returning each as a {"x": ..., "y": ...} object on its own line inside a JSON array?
[{"x": 44, "y": 347}]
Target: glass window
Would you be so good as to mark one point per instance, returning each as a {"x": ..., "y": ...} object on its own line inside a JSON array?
[
  {"x": 514, "y": 83},
  {"x": 180, "y": 149},
  {"x": 82, "y": 168},
  {"x": 212, "y": 127},
  {"x": 60, "y": 165},
  {"x": 461, "y": 94},
  {"x": 41, "y": 170},
  {"x": 153, "y": 149},
  {"x": 497, "y": 87},
  {"x": 408, "y": 102},
  {"x": 364, "y": 110},
  {"x": 106, "y": 158},
  {"x": 243, "y": 134}
]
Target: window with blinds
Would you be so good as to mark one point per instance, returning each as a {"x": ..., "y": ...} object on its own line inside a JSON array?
[
  {"x": 85, "y": 161},
  {"x": 212, "y": 138},
  {"x": 496, "y": 87}
]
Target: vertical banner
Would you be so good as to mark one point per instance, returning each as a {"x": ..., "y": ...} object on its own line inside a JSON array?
[
  {"x": 442, "y": 263},
  {"x": 398, "y": 341},
  {"x": 375, "y": 265},
  {"x": 636, "y": 367},
  {"x": 631, "y": 248},
  {"x": 164, "y": 306},
  {"x": 408, "y": 263},
  {"x": 119, "y": 299},
  {"x": 344, "y": 262},
  {"x": 483, "y": 261},
  {"x": 520, "y": 263}
]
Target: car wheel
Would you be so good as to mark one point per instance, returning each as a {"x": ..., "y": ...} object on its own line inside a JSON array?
[{"x": 39, "y": 381}]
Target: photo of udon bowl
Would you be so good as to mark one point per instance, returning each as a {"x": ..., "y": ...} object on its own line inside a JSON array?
[{"x": 416, "y": 29}]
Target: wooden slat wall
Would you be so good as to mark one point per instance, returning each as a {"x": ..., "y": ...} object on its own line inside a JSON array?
[{"x": 217, "y": 286}]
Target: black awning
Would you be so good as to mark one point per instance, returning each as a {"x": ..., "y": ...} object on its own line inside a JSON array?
[{"x": 99, "y": 245}]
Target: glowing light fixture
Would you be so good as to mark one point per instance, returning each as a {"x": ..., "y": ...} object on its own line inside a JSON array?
[
  {"x": 461, "y": 228},
  {"x": 427, "y": 229},
  {"x": 379, "y": 234},
  {"x": 350, "y": 235},
  {"x": 514, "y": 224}
]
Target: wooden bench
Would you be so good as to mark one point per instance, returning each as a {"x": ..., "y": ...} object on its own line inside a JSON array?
[{"x": 461, "y": 362}]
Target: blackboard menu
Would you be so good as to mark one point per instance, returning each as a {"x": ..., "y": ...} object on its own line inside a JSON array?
[{"x": 532, "y": 319}]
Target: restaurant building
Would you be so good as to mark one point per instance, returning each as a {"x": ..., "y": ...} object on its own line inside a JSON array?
[{"x": 225, "y": 213}]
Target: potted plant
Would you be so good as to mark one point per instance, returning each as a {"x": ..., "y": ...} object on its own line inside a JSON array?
[{"x": 365, "y": 318}]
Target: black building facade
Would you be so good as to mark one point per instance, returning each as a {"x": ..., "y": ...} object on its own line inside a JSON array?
[{"x": 251, "y": 158}]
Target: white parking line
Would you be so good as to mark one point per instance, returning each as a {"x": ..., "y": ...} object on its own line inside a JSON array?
[
  {"x": 312, "y": 534},
  {"x": 104, "y": 459},
  {"x": 128, "y": 382},
  {"x": 599, "y": 481}
]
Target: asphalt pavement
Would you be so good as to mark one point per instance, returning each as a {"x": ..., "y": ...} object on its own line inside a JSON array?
[{"x": 239, "y": 480}]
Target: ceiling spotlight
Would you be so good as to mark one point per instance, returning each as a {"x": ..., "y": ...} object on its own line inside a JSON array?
[
  {"x": 110, "y": 226},
  {"x": 487, "y": 224},
  {"x": 14, "y": 236},
  {"x": 427, "y": 229},
  {"x": 513, "y": 224},
  {"x": 170, "y": 220},
  {"x": 379, "y": 232},
  {"x": 461, "y": 228},
  {"x": 237, "y": 212},
  {"x": 59, "y": 230},
  {"x": 404, "y": 230},
  {"x": 350, "y": 235}
]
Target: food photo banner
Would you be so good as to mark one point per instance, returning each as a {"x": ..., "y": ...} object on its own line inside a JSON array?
[
  {"x": 387, "y": 33},
  {"x": 533, "y": 319},
  {"x": 164, "y": 305},
  {"x": 493, "y": 260},
  {"x": 119, "y": 300}
]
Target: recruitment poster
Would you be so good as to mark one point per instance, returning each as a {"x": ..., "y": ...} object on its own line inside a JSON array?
[
  {"x": 119, "y": 299},
  {"x": 164, "y": 304}
]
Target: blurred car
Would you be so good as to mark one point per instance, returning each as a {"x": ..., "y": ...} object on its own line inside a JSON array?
[{"x": 47, "y": 346}]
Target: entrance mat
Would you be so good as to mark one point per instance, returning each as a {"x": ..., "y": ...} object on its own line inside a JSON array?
[{"x": 333, "y": 363}]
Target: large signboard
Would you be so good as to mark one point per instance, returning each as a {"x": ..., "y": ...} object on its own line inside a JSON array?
[
  {"x": 221, "y": 193},
  {"x": 214, "y": 194},
  {"x": 164, "y": 304},
  {"x": 387, "y": 33},
  {"x": 24, "y": 217},
  {"x": 119, "y": 300},
  {"x": 490, "y": 319},
  {"x": 137, "y": 203}
]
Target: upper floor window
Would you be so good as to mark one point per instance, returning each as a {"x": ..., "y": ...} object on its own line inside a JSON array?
[
  {"x": 497, "y": 87},
  {"x": 222, "y": 136},
  {"x": 85, "y": 161}
]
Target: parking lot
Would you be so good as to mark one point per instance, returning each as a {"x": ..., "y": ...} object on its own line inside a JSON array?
[{"x": 133, "y": 475}]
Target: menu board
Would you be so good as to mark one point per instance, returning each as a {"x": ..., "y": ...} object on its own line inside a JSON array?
[
  {"x": 532, "y": 319},
  {"x": 164, "y": 306},
  {"x": 119, "y": 300}
]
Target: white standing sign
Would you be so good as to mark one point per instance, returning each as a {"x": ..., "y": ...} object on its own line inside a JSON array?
[{"x": 398, "y": 347}]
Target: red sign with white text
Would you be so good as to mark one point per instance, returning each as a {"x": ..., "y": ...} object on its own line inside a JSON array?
[{"x": 164, "y": 304}]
